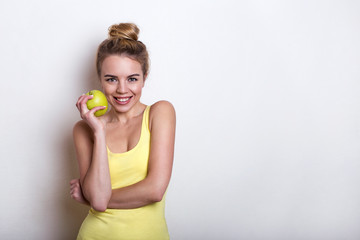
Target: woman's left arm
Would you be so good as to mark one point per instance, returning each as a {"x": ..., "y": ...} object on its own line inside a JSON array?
[{"x": 162, "y": 121}]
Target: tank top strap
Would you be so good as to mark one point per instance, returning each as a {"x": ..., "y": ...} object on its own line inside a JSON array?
[{"x": 145, "y": 122}]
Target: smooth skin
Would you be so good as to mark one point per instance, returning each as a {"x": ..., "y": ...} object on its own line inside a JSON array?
[{"x": 122, "y": 81}]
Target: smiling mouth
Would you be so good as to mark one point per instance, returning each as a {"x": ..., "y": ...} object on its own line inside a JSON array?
[{"x": 122, "y": 100}]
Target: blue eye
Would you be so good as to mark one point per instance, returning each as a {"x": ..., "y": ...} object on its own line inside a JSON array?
[
  {"x": 132, "y": 79},
  {"x": 110, "y": 79}
]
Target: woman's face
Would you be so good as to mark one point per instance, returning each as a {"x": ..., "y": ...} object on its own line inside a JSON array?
[{"x": 122, "y": 81}]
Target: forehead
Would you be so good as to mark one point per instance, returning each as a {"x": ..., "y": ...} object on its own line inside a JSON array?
[{"x": 120, "y": 65}]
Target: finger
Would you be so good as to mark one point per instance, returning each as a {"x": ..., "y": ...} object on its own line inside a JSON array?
[
  {"x": 80, "y": 99},
  {"x": 72, "y": 181},
  {"x": 92, "y": 111},
  {"x": 75, "y": 185},
  {"x": 76, "y": 197},
  {"x": 82, "y": 104},
  {"x": 85, "y": 98},
  {"x": 74, "y": 194}
]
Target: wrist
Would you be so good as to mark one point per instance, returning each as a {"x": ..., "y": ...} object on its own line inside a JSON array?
[{"x": 99, "y": 133}]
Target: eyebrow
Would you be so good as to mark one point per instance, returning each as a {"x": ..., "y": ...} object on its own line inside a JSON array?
[
  {"x": 113, "y": 76},
  {"x": 133, "y": 75},
  {"x": 109, "y": 75}
]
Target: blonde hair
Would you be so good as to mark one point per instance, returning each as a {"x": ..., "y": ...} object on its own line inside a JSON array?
[{"x": 123, "y": 39}]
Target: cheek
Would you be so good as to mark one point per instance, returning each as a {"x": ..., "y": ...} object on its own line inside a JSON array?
[
  {"x": 108, "y": 88},
  {"x": 137, "y": 89},
  {"x": 108, "y": 91}
]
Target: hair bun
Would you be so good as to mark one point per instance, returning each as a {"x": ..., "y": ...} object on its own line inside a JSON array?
[{"x": 124, "y": 31}]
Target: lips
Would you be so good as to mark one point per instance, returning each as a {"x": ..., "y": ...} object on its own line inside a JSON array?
[{"x": 122, "y": 100}]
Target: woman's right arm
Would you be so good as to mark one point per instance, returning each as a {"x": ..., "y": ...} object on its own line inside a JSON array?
[{"x": 90, "y": 145}]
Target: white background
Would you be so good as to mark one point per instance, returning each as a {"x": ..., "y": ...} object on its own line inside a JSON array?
[{"x": 267, "y": 101}]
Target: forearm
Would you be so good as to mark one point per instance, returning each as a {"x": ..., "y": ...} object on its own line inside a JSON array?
[
  {"x": 136, "y": 195},
  {"x": 96, "y": 185}
]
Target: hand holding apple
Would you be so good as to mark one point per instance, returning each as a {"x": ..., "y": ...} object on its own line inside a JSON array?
[{"x": 98, "y": 99}]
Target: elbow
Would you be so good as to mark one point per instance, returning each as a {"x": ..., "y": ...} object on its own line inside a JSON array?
[
  {"x": 99, "y": 207},
  {"x": 157, "y": 196},
  {"x": 98, "y": 202}
]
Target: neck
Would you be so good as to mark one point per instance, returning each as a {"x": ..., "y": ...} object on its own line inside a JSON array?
[{"x": 124, "y": 117}]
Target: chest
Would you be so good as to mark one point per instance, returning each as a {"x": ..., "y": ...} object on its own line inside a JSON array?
[{"x": 122, "y": 138}]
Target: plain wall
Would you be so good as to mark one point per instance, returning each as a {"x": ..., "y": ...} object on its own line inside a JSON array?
[{"x": 267, "y": 101}]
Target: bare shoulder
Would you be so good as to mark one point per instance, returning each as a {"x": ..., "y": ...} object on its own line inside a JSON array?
[
  {"x": 82, "y": 130},
  {"x": 162, "y": 111},
  {"x": 161, "y": 108}
]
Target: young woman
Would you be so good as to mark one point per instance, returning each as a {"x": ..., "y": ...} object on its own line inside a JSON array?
[{"x": 125, "y": 157}]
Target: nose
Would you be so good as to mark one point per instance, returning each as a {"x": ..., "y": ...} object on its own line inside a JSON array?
[{"x": 121, "y": 88}]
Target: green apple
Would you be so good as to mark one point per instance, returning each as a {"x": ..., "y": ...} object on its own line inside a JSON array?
[{"x": 99, "y": 99}]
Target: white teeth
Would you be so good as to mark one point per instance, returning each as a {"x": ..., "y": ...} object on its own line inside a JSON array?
[{"x": 122, "y": 99}]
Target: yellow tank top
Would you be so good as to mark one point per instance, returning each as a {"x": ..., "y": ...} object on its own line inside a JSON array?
[{"x": 145, "y": 223}]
